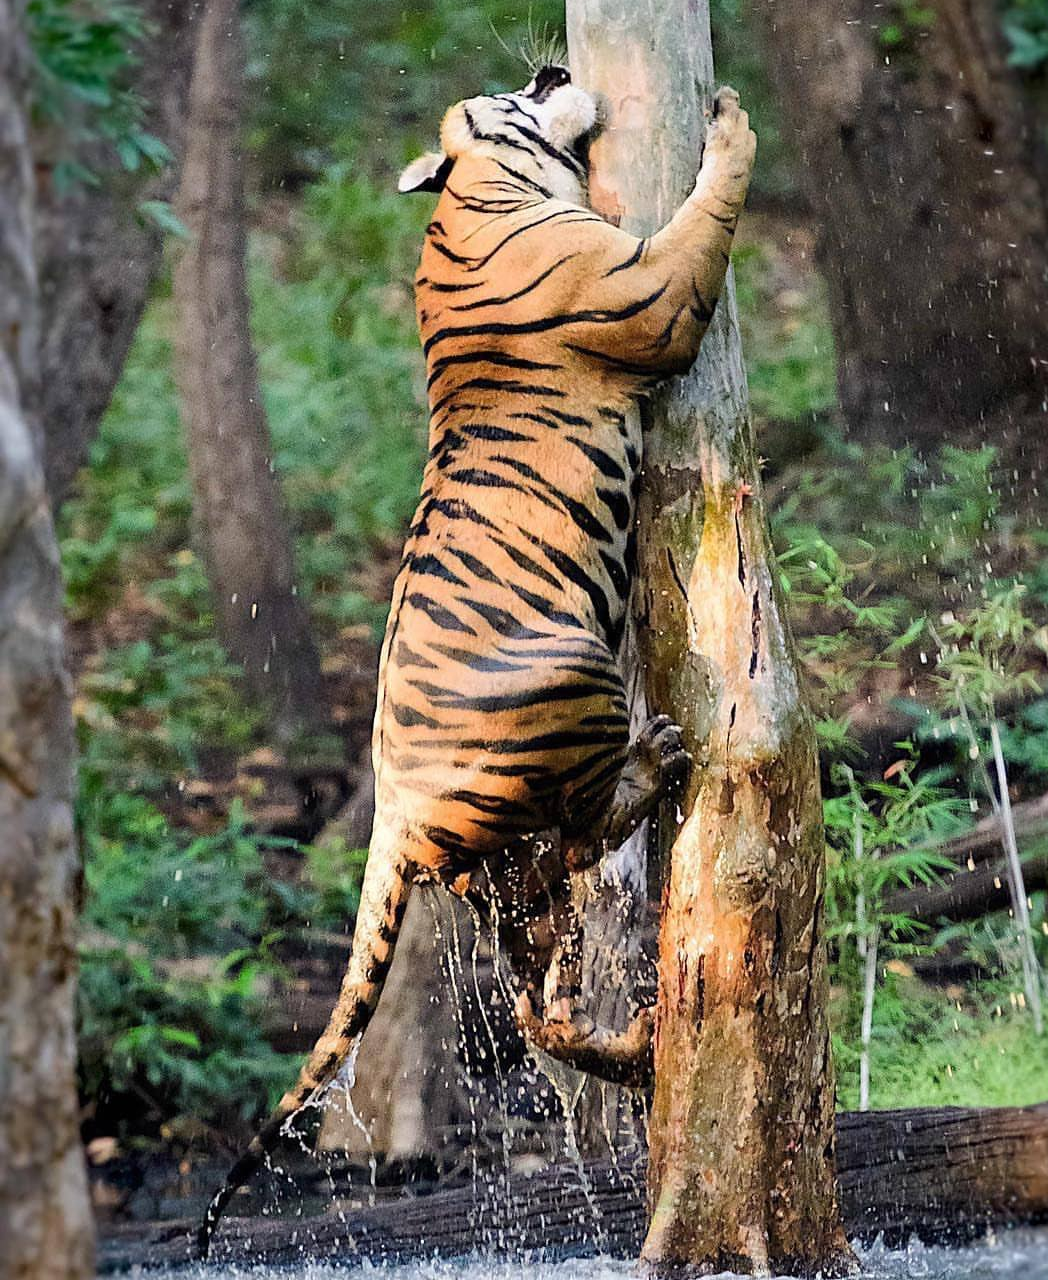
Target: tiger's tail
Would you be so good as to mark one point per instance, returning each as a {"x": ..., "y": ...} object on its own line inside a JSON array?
[{"x": 382, "y": 902}]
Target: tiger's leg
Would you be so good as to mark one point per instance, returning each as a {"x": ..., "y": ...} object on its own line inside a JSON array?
[
  {"x": 565, "y": 1032},
  {"x": 657, "y": 765}
]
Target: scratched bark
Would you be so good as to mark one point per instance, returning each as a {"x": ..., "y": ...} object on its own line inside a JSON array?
[
  {"x": 45, "y": 1221},
  {"x": 741, "y": 1134}
]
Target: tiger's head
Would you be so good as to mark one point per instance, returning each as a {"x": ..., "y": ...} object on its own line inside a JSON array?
[{"x": 541, "y": 129}]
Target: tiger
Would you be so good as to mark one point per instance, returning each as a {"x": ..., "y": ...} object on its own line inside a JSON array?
[{"x": 503, "y": 768}]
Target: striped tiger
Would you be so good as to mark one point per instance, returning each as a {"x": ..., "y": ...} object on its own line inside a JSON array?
[{"x": 502, "y": 761}]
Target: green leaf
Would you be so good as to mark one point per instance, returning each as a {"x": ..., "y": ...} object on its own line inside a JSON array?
[{"x": 160, "y": 213}]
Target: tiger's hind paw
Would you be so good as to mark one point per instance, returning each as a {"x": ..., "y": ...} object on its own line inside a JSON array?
[{"x": 620, "y": 1057}]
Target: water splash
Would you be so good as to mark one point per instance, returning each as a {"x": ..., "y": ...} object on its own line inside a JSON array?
[{"x": 1009, "y": 1255}]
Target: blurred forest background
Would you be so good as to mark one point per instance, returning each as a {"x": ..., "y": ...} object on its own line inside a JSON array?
[{"x": 892, "y": 275}]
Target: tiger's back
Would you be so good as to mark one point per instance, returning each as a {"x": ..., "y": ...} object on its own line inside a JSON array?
[{"x": 502, "y": 711}]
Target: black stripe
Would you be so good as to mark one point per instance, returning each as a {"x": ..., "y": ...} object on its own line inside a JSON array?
[
  {"x": 569, "y": 419},
  {"x": 429, "y": 565},
  {"x": 545, "y": 323},
  {"x": 438, "y": 615},
  {"x": 496, "y": 435},
  {"x": 453, "y": 509},
  {"x": 478, "y": 661},
  {"x": 409, "y": 718},
  {"x": 405, "y": 656},
  {"x": 546, "y": 608},
  {"x": 502, "y": 622},
  {"x": 523, "y": 177},
  {"x": 562, "y": 157},
  {"x": 510, "y": 701},
  {"x": 604, "y": 462},
  {"x": 436, "y": 287},
  {"x": 619, "y": 578},
  {"x": 526, "y": 563},
  {"x": 575, "y": 573},
  {"x": 558, "y": 740},
  {"x": 502, "y": 359},
  {"x": 497, "y": 384},
  {"x": 512, "y": 297},
  {"x": 631, "y": 261},
  {"x": 619, "y": 506},
  {"x": 477, "y": 567},
  {"x": 626, "y": 366}
]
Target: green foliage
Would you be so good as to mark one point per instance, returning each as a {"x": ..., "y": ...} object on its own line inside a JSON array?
[
  {"x": 177, "y": 960},
  {"x": 907, "y": 23},
  {"x": 178, "y": 957},
  {"x": 332, "y": 72},
  {"x": 790, "y": 361},
  {"x": 881, "y": 835},
  {"x": 1026, "y": 29},
  {"x": 984, "y": 657},
  {"x": 342, "y": 377},
  {"x": 739, "y": 62},
  {"x": 132, "y": 507},
  {"x": 84, "y": 60},
  {"x": 973, "y": 1050},
  {"x": 172, "y": 965}
]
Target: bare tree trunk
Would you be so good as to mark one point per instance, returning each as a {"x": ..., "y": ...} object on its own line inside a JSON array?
[
  {"x": 919, "y": 160},
  {"x": 240, "y": 522},
  {"x": 741, "y": 1132},
  {"x": 45, "y": 1222},
  {"x": 407, "y": 1098},
  {"x": 618, "y": 979},
  {"x": 98, "y": 258}
]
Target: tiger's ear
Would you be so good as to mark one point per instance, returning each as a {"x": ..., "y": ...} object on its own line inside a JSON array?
[{"x": 427, "y": 173}]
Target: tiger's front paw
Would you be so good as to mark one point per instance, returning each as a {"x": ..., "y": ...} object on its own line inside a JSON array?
[{"x": 730, "y": 142}]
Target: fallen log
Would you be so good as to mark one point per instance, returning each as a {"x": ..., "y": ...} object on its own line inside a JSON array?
[
  {"x": 980, "y": 883},
  {"x": 943, "y": 1174},
  {"x": 967, "y": 895},
  {"x": 984, "y": 839}
]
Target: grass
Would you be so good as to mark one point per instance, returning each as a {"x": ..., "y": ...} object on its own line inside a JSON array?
[{"x": 971, "y": 1048}]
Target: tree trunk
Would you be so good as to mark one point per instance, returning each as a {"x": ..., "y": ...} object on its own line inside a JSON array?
[
  {"x": 618, "y": 979},
  {"x": 240, "y": 522},
  {"x": 917, "y": 156},
  {"x": 45, "y": 1222},
  {"x": 98, "y": 257},
  {"x": 741, "y": 1133}
]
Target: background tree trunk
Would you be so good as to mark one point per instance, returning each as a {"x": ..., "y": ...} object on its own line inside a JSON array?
[
  {"x": 408, "y": 1095},
  {"x": 98, "y": 257},
  {"x": 45, "y": 1222},
  {"x": 919, "y": 161},
  {"x": 741, "y": 1132},
  {"x": 240, "y": 522}
]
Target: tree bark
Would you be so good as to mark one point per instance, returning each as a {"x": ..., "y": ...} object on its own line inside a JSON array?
[
  {"x": 45, "y": 1223},
  {"x": 942, "y": 1173},
  {"x": 240, "y": 523},
  {"x": 98, "y": 258},
  {"x": 741, "y": 1131},
  {"x": 918, "y": 158}
]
